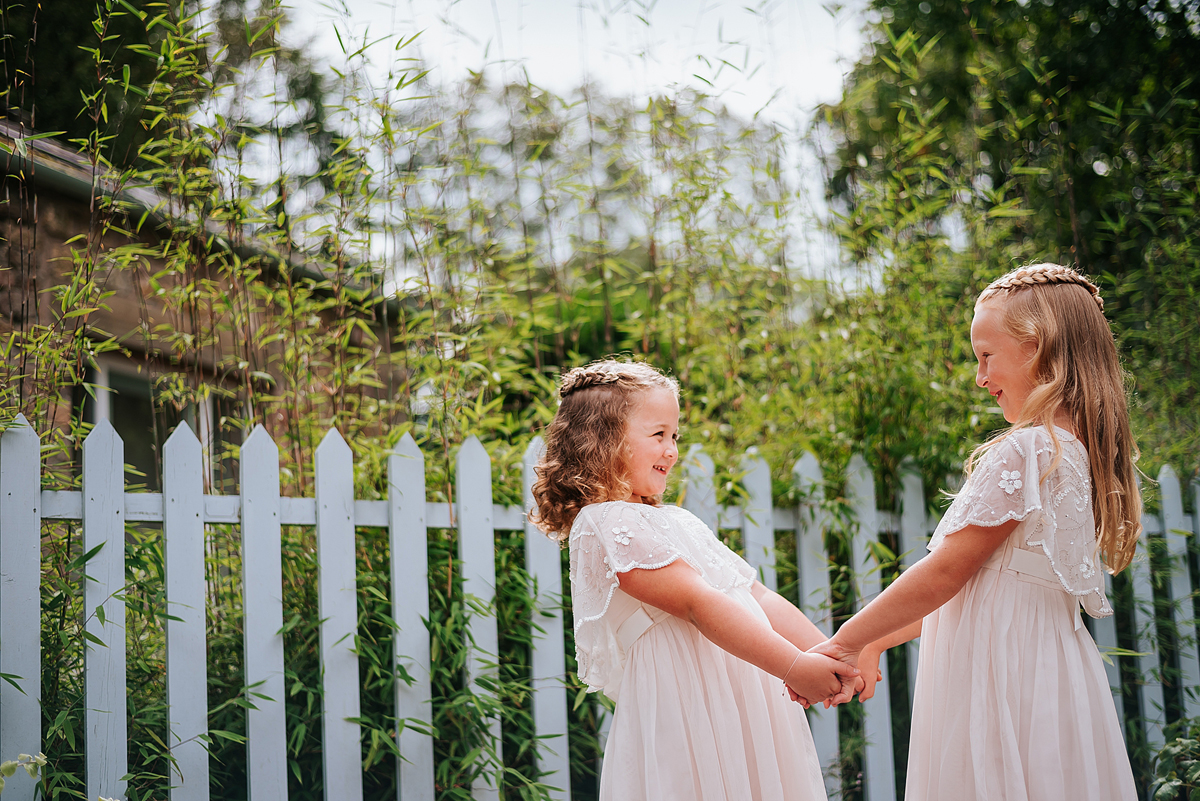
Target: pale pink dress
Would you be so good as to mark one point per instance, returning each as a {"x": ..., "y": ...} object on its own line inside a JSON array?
[
  {"x": 692, "y": 723},
  {"x": 1012, "y": 701}
]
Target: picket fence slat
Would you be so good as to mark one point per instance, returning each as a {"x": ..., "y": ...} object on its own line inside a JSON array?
[
  {"x": 813, "y": 568},
  {"x": 912, "y": 541},
  {"x": 758, "y": 522},
  {"x": 1151, "y": 695},
  {"x": 187, "y": 655},
  {"x": 262, "y": 594},
  {"x": 104, "y": 654},
  {"x": 880, "y": 784},
  {"x": 548, "y": 665},
  {"x": 337, "y": 605},
  {"x": 184, "y": 510},
  {"x": 477, "y": 552},
  {"x": 409, "y": 550},
  {"x": 20, "y": 601},
  {"x": 1177, "y": 530},
  {"x": 1106, "y": 640},
  {"x": 697, "y": 490}
]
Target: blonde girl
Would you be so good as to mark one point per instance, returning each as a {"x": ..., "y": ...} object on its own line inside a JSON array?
[
  {"x": 1011, "y": 700},
  {"x": 669, "y": 622}
]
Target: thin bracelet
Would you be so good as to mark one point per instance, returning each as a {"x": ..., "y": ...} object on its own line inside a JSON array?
[{"x": 794, "y": 661}]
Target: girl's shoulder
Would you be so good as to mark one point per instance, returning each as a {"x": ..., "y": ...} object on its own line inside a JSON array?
[
  {"x": 1037, "y": 443},
  {"x": 611, "y": 514}
]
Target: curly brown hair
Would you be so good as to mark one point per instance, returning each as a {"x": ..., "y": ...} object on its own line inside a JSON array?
[{"x": 584, "y": 459}]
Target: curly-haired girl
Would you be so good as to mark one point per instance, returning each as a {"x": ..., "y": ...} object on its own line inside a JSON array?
[{"x": 669, "y": 622}]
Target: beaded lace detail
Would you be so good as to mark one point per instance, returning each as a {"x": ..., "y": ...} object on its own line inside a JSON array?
[
  {"x": 1056, "y": 513},
  {"x": 616, "y": 537}
]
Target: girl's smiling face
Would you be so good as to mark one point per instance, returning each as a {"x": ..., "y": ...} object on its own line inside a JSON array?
[
  {"x": 651, "y": 438},
  {"x": 1005, "y": 363}
]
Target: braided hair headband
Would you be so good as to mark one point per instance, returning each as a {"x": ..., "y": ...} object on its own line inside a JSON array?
[
  {"x": 610, "y": 372},
  {"x": 1043, "y": 274},
  {"x": 583, "y": 377}
]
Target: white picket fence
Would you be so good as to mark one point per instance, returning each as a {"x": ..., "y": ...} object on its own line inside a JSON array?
[{"x": 183, "y": 510}]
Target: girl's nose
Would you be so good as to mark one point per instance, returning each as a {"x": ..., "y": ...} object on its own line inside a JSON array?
[{"x": 980, "y": 378}]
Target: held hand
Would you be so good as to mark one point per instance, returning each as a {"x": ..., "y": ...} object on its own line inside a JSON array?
[
  {"x": 868, "y": 663},
  {"x": 814, "y": 678},
  {"x": 856, "y": 684},
  {"x": 835, "y": 650}
]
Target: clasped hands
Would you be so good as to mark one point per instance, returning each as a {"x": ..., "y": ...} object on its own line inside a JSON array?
[{"x": 816, "y": 689}]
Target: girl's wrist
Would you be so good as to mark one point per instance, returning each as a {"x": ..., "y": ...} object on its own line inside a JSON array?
[
  {"x": 843, "y": 646},
  {"x": 795, "y": 659}
]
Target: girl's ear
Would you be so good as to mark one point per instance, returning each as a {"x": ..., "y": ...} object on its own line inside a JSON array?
[{"x": 1029, "y": 349}]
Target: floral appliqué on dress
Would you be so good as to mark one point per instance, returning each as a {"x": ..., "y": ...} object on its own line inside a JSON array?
[
  {"x": 622, "y": 534},
  {"x": 1010, "y": 481}
]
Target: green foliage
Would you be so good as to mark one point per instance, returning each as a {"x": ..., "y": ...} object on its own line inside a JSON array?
[
  {"x": 1177, "y": 764},
  {"x": 1028, "y": 143}
]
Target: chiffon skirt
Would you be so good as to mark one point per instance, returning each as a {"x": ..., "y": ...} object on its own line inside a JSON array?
[
  {"x": 1012, "y": 702},
  {"x": 694, "y": 723}
]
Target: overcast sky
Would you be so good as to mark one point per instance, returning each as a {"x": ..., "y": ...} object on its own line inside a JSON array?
[{"x": 793, "y": 50}]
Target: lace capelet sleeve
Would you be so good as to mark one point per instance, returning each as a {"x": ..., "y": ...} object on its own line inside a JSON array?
[
  {"x": 613, "y": 538},
  {"x": 1007, "y": 485}
]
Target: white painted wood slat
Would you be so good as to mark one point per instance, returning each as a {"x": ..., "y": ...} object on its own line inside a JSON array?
[
  {"x": 758, "y": 525},
  {"x": 477, "y": 552},
  {"x": 880, "y": 784},
  {"x": 20, "y": 601},
  {"x": 104, "y": 665},
  {"x": 912, "y": 542},
  {"x": 815, "y": 602},
  {"x": 410, "y": 610},
  {"x": 699, "y": 495},
  {"x": 1176, "y": 529},
  {"x": 1106, "y": 640},
  {"x": 187, "y": 654},
  {"x": 548, "y": 665},
  {"x": 1151, "y": 695},
  {"x": 337, "y": 603},
  {"x": 262, "y": 594}
]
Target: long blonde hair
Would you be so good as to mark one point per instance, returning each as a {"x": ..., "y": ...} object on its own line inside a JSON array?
[
  {"x": 1076, "y": 368},
  {"x": 585, "y": 457}
]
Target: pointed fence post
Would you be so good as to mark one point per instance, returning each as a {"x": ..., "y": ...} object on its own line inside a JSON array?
[
  {"x": 815, "y": 601},
  {"x": 548, "y": 665},
  {"x": 410, "y": 610},
  {"x": 187, "y": 653},
  {"x": 1176, "y": 529},
  {"x": 699, "y": 495},
  {"x": 758, "y": 520},
  {"x": 913, "y": 539},
  {"x": 477, "y": 552},
  {"x": 20, "y": 600},
  {"x": 877, "y": 719},
  {"x": 1151, "y": 696},
  {"x": 262, "y": 594},
  {"x": 104, "y": 665},
  {"x": 337, "y": 604}
]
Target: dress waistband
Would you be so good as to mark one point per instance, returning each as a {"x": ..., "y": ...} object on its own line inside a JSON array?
[
  {"x": 1031, "y": 567},
  {"x": 634, "y": 626}
]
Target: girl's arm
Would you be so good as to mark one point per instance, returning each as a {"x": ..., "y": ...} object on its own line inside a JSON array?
[
  {"x": 786, "y": 619},
  {"x": 679, "y": 590},
  {"x": 919, "y": 590}
]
